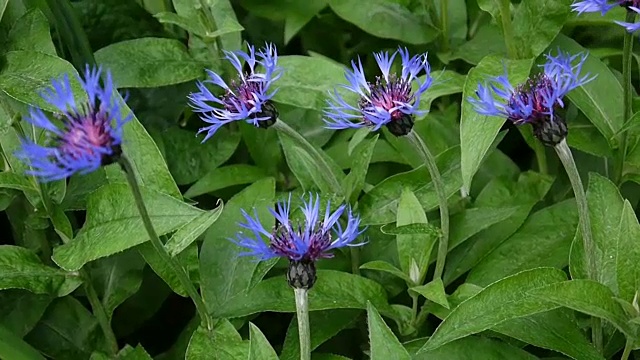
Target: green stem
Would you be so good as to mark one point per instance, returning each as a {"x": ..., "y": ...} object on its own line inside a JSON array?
[
  {"x": 507, "y": 27},
  {"x": 414, "y": 310},
  {"x": 596, "y": 334},
  {"x": 100, "y": 313},
  {"x": 159, "y": 247},
  {"x": 627, "y": 53},
  {"x": 627, "y": 350},
  {"x": 444, "y": 22},
  {"x": 355, "y": 259},
  {"x": 320, "y": 161},
  {"x": 564, "y": 153},
  {"x": 304, "y": 332},
  {"x": 541, "y": 157},
  {"x": 438, "y": 185}
]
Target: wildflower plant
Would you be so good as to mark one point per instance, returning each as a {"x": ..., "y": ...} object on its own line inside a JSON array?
[
  {"x": 87, "y": 134},
  {"x": 538, "y": 100},
  {"x": 246, "y": 98},
  {"x": 301, "y": 243},
  {"x": 389, "y": 100}
]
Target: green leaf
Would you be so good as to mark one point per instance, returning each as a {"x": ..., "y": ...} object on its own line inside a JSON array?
[
  {"x": 189, "y": 159},
  {"x": 223, "y": 19},
  {"x": 14, "y": 348},
  {"x": 149, "y": 62},
  {"x": 20, "y": 268},
  {"x": 324, "y": 326},
  {"x": 67, "y": 331},
  {"x": 384, "y": 344},
  {"x": 188, "y": 259},
  {"x": 31, "y": 32},
  {"x": 500, "y": 192},
  {"x": 20, "y": 182},
  {"x": 433, "y": 291},
  {"x": 601, "y": 99},
  {"x": 628, "y": 254},
  {"x": 189, "y": 232},
  {"x": 411, "y": 229},
  {"x": 611, "y": 227},
  {"x": 543, "y": 240},
  {"x": 470, "y": 347},
  {"x": 307, "y": 81},
  {"x": 305, "y": 168},
  {"x": 26, "y": 74},
  {"x": 259, "y": 347},
  {"x": 588, "y": 297},
  {"x": 469, "y": 222},
  {"x": 133, "y": 353},
  {"x": 379, "y": 206},
  {"x": 223, "y": 343},
  {"x": 333, "y": 290},
  {"x": 556, "y": 330},
  {"x": 114, "y": 224},
  {"x": 20, "y": 310},
  {"x": 385, "y": 19},
  {"x": 388, "y": 268},
  {"x": 477, "y": 132},
  {"x": 225, "y": 176},
  {"x": 224, "y": 273},
  {"x": 501, "y": 301},
  {"x": 536, "y": 23},
  {"x": 116, "y": 278},
  {"x": 445, "y": 82},
  {"x": 361, "y": 157},
  {"x": 414, "y": 250}
]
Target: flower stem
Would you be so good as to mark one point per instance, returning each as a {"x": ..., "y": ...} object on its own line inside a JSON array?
[
  {"x": 320, "y": 161},
  {"x": 438, "y": 185},
  {"x": 444, "y": 23},
  {"x": 100, "y": 313},
  {"x": 627, "y": 350},
  {"x": 627, "y": 53},
  {"x": 304, "y": 332},
  {"x": 564, "y": 153},
  {"x": 159, "y": 247},
  {"x": 507, "y": 27},
  {"x": 541, "y": 157}
]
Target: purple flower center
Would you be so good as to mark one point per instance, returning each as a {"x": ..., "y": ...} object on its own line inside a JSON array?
[
  {"x": 284, "y": 244},
  {"x": 86, "y": 135},
  {"x": 388, "y": 95},
  {"x": 532, "y": 93}
]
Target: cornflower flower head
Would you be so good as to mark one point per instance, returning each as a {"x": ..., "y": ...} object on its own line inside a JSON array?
[
  {"x": 389, "y": 100},
  {"x": 302, "y": 243},
  {"x": 602, "y": 6},
  {"x": 248, "y": 97},
  {"x": 536, "y": 101},
  {"x": 89, "y": 135}
]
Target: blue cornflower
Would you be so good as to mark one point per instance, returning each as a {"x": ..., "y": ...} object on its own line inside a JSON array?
[
  {"x": 301, "y": 243},
  {"x": 536, "y": 101},
  {"x": 631, "y": 27},
  {"x": 89, "y": 136},
  {"x": 248, "y": 98},
  {"x": 389, "y": 101}
]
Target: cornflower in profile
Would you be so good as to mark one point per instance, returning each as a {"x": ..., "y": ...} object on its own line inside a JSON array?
[
  {"x": 537, "y": 100},
  {"x": 89, "y": 135},
  {"x": 603, "y": 6},
  {"x": 302, "y": 243},
  {"x": 246, "y": 98},
  {"x": 389, "y": 100}
]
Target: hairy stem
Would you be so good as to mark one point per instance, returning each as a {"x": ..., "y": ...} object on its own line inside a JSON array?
[
  {"x": 507, "y": 27},
  {"x": 304, "y": 332},
  {"x": 444, "y": 23},
  {"x": 319, "y": 160},
  {"x": 100, "y": 313},
  {"x": 438, "y": 185},
  {"x": 159, "y": 247},
  {"x": 627, "y": 53},
  {"x": 564, "y": 153}
]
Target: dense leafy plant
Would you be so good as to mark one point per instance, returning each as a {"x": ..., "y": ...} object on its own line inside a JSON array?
[{"x": 199, "y": 179}]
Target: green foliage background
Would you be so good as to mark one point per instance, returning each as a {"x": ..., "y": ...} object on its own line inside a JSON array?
[{"x": 506, "y": 292}]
